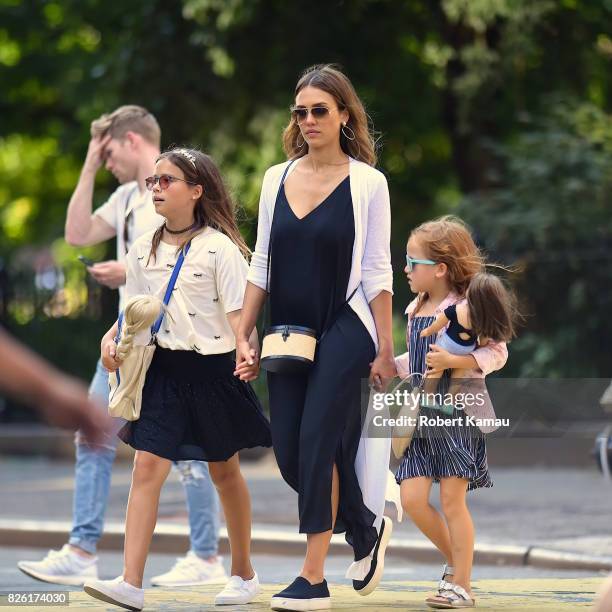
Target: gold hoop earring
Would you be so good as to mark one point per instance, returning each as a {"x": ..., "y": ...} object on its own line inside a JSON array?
[
  {"x": 299, "y": 146},
  {"x": 346, "y": 127}
]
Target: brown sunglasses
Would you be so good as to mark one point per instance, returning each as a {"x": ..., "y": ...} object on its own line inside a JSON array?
[
  {"x": 164, "y": 180},
  {"x": 300, "y": 113}
]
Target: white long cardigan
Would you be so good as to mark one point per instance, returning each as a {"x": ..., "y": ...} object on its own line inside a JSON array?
[
  {"x": 371, "y": 271},
  {"x": 371, "y": 263}
]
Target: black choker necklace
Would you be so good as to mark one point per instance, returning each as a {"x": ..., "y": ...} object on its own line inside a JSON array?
[{"x": 179, "y": 231}]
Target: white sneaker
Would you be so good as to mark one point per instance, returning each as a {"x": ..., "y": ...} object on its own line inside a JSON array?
[
  {"x": 238, "y": 591},
  {"x": 62, "y": 567},
  {"x": 192, "y": 570},
  {"x": 117, "y": 591}
]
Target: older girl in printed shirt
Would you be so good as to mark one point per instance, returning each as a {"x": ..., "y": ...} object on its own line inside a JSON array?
[{"x": 193, "y": 407}]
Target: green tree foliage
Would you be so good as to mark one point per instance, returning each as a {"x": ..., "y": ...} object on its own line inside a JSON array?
[
  {"x": 470, "y": 98},
  {"x": 551, "y": 214}
]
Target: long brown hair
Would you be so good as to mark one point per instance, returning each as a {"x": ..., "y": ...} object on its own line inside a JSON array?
[
  {"x": 214, "y": 208},
  {"x": 492, "y": 307},
  {"x": 448, "y": 240},
  {"x": 329, "y": 78}
]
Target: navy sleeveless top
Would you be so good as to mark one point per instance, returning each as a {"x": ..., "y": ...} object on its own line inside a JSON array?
[{"x": 311, "y": 260}]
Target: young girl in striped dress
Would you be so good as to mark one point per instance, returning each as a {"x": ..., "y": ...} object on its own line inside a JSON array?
[{"x": 441, "y": 260}]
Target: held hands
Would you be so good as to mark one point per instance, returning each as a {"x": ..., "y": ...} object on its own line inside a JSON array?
[
  {"x": 247, "y": 361},
  {"x": 382, "y": 370},
  {"x": 109, "y": 273}
]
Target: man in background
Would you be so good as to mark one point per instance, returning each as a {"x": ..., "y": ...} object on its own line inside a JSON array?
[{"x": 127, "y": 142}]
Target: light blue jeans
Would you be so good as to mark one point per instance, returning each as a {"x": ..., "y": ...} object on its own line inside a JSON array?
[{"x": 92, "y": 485}]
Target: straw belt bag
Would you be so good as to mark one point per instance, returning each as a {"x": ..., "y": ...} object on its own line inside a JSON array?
[
  {"x": 126, "y": 383},
  {"x": 289, "y": 348}
]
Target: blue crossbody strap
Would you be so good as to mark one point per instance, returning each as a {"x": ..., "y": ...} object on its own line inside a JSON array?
[
  {"x": 169, "y": 289},
  {"x": 119, "y": 324}
]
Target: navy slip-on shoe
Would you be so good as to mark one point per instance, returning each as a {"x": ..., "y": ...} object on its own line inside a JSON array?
[
  {"x": 372, "y": 580},
  {"x": 301, "y": 595}
]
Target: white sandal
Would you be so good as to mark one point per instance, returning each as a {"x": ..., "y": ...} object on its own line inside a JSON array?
[
  {"x": 447, "y": 570},
  {"x": 456, "y": 597}
]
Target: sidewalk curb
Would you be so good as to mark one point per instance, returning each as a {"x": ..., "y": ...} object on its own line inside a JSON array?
[
  {"x": 266, "y": 539},
  {"x": 38, "y": 439}
]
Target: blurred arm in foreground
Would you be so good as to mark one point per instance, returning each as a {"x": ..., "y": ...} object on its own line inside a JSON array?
[{"x": 61, "y": 399}]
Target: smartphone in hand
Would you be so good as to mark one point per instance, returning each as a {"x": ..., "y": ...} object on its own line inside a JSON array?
[{"x": 86, "y": 261}]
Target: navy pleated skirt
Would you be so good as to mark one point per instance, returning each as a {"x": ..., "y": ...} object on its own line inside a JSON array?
[{"x": 193, "y": 407}]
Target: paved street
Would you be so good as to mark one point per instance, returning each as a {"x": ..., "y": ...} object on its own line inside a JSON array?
[
  {"x": 405, "y": 584},
  {"x": 273, "y": 569},
  {"x": 566, "y": 509},
  {"x": 569, "y": 509}
]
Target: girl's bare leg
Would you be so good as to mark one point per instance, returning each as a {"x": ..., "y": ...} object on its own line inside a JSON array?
[
  {"x": 415, "y": 501},
  {"x": 148, "y": 476},
  {"x": 236, "y": 502},
  {"x": 461, "y": 528}
]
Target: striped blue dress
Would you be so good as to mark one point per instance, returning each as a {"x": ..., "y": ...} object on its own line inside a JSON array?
[{"x": 442, "y": 451}]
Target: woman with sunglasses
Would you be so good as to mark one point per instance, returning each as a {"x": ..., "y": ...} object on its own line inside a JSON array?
[
  {"x": 330, "y": 270},
  {"x": 192, "y": 405}
]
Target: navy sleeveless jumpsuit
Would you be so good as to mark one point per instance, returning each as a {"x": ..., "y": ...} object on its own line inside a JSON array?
[{"x": 316, "y": 417}]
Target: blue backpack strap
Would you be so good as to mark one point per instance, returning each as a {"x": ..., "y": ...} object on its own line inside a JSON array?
[{"x": 170, "y": 287}]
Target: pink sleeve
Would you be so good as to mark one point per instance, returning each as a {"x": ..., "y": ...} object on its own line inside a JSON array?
[{"x": 491, "y": 357}]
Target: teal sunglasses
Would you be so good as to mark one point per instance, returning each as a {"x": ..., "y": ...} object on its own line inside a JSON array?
[{"x": 410, "y": 261}]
